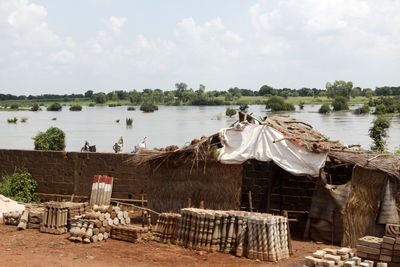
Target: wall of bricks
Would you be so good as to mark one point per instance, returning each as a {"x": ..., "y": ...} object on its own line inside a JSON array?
[{"x": 72, "y": 172}]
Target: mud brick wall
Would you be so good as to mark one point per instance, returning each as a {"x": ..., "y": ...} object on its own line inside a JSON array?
[
  {"x": 274, "y": 188},
  {"x": 72, "y": 172}
]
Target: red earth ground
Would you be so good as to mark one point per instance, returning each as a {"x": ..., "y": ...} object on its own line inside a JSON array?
[{"x": 33, "y": 248}]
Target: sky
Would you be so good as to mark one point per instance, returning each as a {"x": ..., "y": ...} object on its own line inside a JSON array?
[{"x": 70, "y": 46}]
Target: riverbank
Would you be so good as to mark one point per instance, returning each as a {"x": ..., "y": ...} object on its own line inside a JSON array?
[{"x": 249, "y": 100}]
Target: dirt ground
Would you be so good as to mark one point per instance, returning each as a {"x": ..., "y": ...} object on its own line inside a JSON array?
[{"x": 32, "y": 248}]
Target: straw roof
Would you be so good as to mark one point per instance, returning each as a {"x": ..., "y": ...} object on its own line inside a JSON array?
[{"x": 294, "y": 130}]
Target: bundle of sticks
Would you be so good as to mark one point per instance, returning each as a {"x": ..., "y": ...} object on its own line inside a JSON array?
[{"x": 101, "y": 190}]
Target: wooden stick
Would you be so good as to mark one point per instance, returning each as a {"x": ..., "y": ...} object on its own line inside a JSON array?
[
  {"x": 250, "y": 202},
  {"x": 138, "y": 207}
]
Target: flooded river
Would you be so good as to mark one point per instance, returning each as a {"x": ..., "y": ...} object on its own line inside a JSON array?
[{"x": 170, "y": 125}]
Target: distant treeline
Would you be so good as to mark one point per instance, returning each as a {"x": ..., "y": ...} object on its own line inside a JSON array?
[{"x": 185, "y": 95}]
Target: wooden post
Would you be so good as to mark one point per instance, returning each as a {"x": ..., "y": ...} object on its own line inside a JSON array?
[
  {"x": 285, "y": 214},
  {"x": 250, "y": 202},
  {"x": 142, "y": 200},
  {"x": 189, "y": 202},
  {"x": 202, "y": 204}
]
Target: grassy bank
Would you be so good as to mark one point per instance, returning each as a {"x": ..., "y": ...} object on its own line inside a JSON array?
[{"x": 250, "y": 100}]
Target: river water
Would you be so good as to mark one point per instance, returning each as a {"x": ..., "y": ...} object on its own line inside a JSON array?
[{"x": 170, "y": 125}]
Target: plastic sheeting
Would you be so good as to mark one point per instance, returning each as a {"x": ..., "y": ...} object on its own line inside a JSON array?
[{"x": 253, "y": 141}]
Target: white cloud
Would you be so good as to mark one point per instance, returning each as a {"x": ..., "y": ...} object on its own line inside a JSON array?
[
  {"x": 287, "y": 43},
  {"x": 115, "y": 24},
  {"x": 62, "y": 57}
]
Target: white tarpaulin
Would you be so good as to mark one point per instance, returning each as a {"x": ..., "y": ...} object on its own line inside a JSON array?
[{"x": 253, "y": 141}]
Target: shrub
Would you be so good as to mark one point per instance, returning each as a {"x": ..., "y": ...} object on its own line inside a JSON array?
[
  {"x": 117, "y": 121},
  {"x": 301, "y": 105},
  {"x": 92, "y": 105},
  {"x": 20, "y": 186},
  {"x": 277, "y": 103},
  {"x": 230, "y": 112},
  {"x": 362, "y": 110},
  {"x": 378, "y": 133},
  {"x": 243, "y": 107},
  {"x": 129, "y": 121},
  {"x": 14, "y": 120},
  {"x": 325, "y": 108},
  {"x": 54, "y": 107},
  {"x": 148, "y": 107},
  {"x": 75, "y": 108},
  {"x": 131, "y": 108},
  {"x": 340, "y": 103},
  {"x": 53, "y": 119},
  {"x": 24, "y": 119},
  {"x": 14, "y": 106},
  {"x": 52, "y": 139},
  {"x": 112, "y": 105},
  {"x": 35, "y": 107}
]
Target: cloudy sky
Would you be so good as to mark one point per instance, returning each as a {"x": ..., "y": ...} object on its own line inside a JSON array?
[{"x": 70, "y": 46}]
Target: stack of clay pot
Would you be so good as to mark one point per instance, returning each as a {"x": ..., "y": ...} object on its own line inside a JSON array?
[
  {"x": 96, "y": 225},
  {"x": 167, "y": 227},
  {"x": 253, "y": 235}
]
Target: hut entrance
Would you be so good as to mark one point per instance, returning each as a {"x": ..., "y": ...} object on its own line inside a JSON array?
[{"x": 273, "y": 190}]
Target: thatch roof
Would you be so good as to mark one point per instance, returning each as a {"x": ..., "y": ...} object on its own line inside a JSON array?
[{"x": 297, "y": 131}]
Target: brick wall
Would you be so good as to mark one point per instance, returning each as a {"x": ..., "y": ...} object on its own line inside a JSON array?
[{"x": 72, "y": 172}]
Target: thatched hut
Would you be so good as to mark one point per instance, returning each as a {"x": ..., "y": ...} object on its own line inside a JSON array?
[{"x": 332, "y": 193}]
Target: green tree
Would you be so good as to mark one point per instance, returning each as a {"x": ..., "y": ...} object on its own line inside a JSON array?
[
  {"x": 89, "y": 93},
  {"x": 35, "y": 107},
  {"x": 180, "y": 88},
  {"x": 340, "y": 103},
  {"x": 277, "y": 103},
  {"x": 325, "y": 108},
  {"x": 75, "y": 108},
  {"x": 99, "y": 98},
  {"x": 230, "y": 112},
  {"x": 267, "y": 90},
  {"x": 52, "y": 139},
  {"x": 367, "y": 92},
  {"x": 378, "y": 133},
  {"x": 54, "y": 107},
  {"x": 362, "y": 110},
  {"x": 20, "y": 186},
  {"x": 356, "y": 91},
  {"x": 339, "y": 88}
]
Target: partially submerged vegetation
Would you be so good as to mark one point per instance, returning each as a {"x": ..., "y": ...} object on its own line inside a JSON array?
[
  {"x": 54, "y": 107},
  {"x": 230, "y": 112},
  {"x": 75, "y": 108},
  {"x": 148, "y": 107},
  {"x": 277, "y": 103},
  {"x": 13, "y": 120}
]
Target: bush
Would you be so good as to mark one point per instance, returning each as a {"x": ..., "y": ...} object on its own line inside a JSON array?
[
  {"x": 340, "y": 103},
  {"x": 129, "y": 121},
  {"x": 54, "y": 107},
  {"x": 112, "y": 105},
  {"x": 75, "y": 108},
  {"x": 24, "y": 119},
  {"x": 230, "y": 112},
  {"x": 277, "y": 103},
  {"x": 362, "y": 110},
  {"x": 20, "y": 186},
  {"x": 52, "y": 139},
  {"x": 148, "y": 107},
  {"x": 35, "y": 107},
  {"x": 92, "y": 105},
  {"x": 14, "y": 106},
  {"x": 378, "y": 132},
  {"x": 301, "y": 105},
  {"x": 325, "y": 108},
  {"x": 243, "y": 107},
  {"x": 117, "y": 121},
  {"x": 53, "y": 119},
  {"x": 14, "y": 120},
  {"x": 131, "y": 108}
]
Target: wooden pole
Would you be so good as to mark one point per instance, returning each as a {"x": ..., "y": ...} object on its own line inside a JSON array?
[
  {"x": 202, "y": 204},
  {"x": 250, "y": 202},
  {"x": 189, "y": 202}
]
